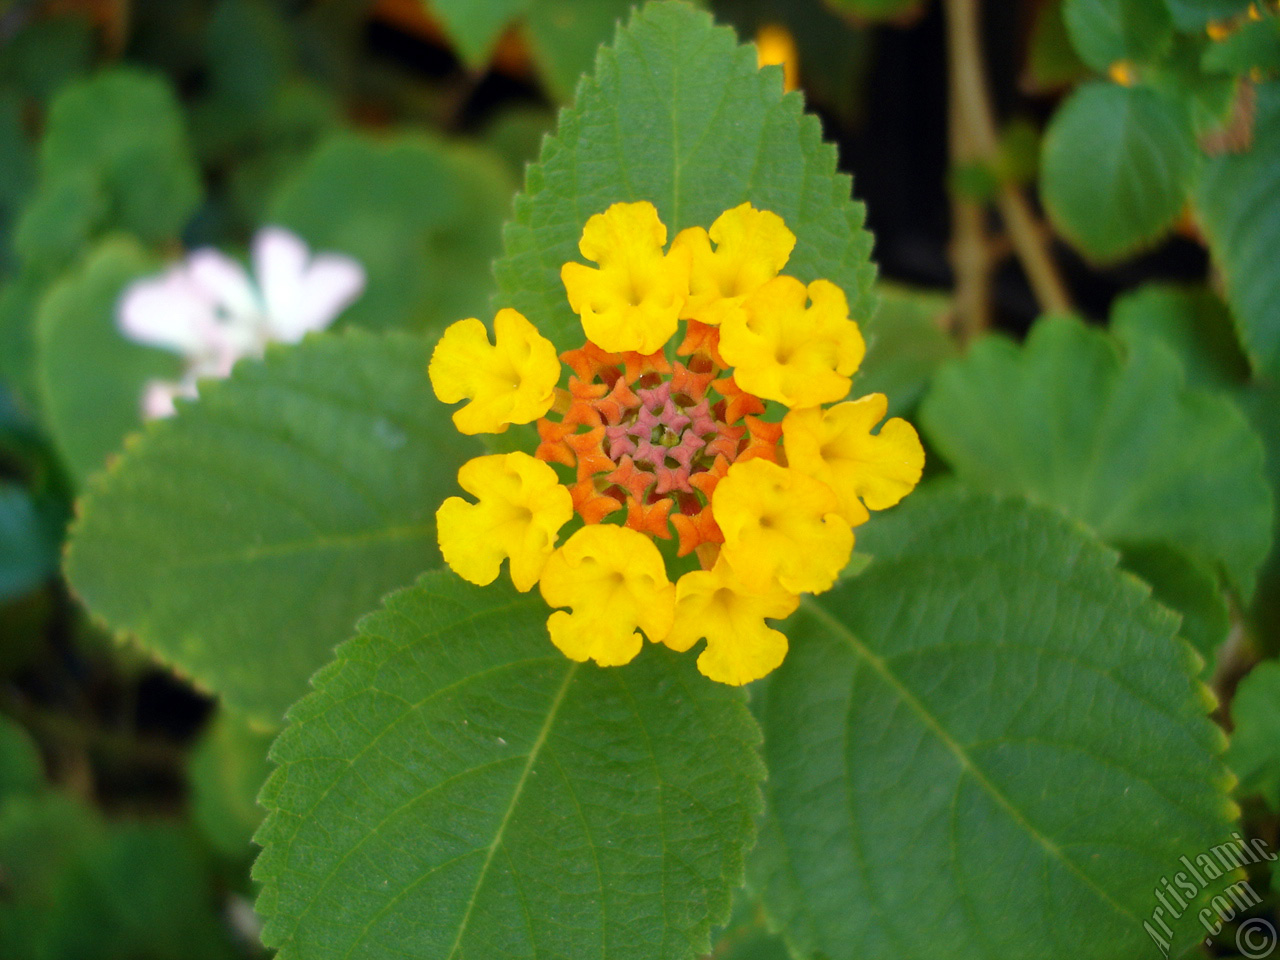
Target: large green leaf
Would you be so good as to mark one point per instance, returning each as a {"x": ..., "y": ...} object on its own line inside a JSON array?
[
  {"x": 241, "y": 540},
  {"x": 91, "y": 378},
  {"x": 907, "y": 342},
  {"x": 1116, "y": 441},
  {"x": 679, "y": 115},
  {"x": 456, "y": 788},
  {"x": 1117, "y": 165},
  {"x": 988, "y": 744},
  {"x": 1107, "y": 31},
  {"x": 1254, "y": 754},
  {"x": 1239, "y": 207},
  {"x": 114, "y": 155},
  {"x": 423, "y": 217}
]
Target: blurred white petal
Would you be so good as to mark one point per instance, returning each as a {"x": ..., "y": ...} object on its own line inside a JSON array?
[
  {"x": 225, "y": 282},
  {"x": 329, "y": 286},
  {"x": 279, "y": 263},
  {"x": 159, "y": 396},
  {"x": 168, "y": 311}
]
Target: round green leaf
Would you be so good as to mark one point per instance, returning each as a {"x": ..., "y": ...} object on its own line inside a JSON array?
[
  {"x": 1116, "y": 167},
  {"x": 988, "y": 744},
  {"x": 455, "y": 787},
  {"x": 1107, "y": 31},
  {"x": 89, "y": 376},
  {"x": 1116, "y": 441},
  {"x": 1239, "y": 206},
  {"x": 1192, "y": 15},
  {"x": 421, "y": 216},
  {"x": 678, "y": 114},
  {"x": 228, "y": 768},
  {"x": 240, "y": 540},
  {"x": 1254, "y": 754}
]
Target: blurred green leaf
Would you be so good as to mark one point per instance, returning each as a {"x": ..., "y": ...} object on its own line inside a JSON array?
[
  {"x": 1254, "y": 754},
  {"x": 114, "y": 144},
  {"x": 90, "y": 377},
  {"x": 906, "y": 344},
  {"x": 679, "y": 115},
  {"x": 1052, "y": 62},
  {"x": 475, "y": 25},
  {"x": 1194, "y": 14},
  {"x": 1193, "y": 322},
  {"x": 516, "y": 135},
  {"x": 1116, "y": 168},
  {"x": 21, "y": 772},
  {"x": 456, "y": 787},
  {"x": 228, "y": 768},
  {"x": 249, "y": 51},
  {"x": 46, "y": 54},
  {"x": 986, "y": 744},
  {"x": 564, "y": 36},
  {"x": 17, "y": 160},
  {"x": 423, "y": 217},
  {"x": 876, "y": 9},
  {"x": 1114, "y": 440},
  {"x": 240, "y": 540},
  {"x": 1189, "y": 587},
  {"x": 1238, "y": 205},
  {"x": 28, "y": 542},
  {"x": 1255, "y": 45},
  {"x": 1107, "y": 31},
  {"x": 834, "y": 54},
  {"x": 746, "y": 935}
]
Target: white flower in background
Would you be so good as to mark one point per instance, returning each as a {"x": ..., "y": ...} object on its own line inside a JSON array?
[{"x": 211, "y": 311}]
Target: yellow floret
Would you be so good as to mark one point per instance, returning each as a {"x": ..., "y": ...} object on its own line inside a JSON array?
[
  {"x": 510, "y": 381},
  {"x": 780, "y": 524},
  {"x": 614, "y": 580},
  {"x": 633, "y": 301},
  {"x": 752, "y": 247},
  {"x": 782, "y": 350},
  {"x": 717, "y": 605},
  {"x": 837, "y": 447},
  {"x": 521, "y": 508}
]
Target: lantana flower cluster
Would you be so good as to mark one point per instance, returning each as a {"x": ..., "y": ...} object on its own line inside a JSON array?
[{"x": 706, "y": 411}]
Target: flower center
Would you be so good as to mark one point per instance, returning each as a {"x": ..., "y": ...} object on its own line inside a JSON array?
[{"x": 656, "y": 437}]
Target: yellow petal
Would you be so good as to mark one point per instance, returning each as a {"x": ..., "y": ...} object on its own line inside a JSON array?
[
  {"x": 615, "y": 582},
  {"x": 779, "y": 523},
  {"x": 752, "y": 247},
  {"x": 512, "y": 380},
  {"x": 633, "y": 301},
  {"x": 783, "y": 350},
  {"x": 717, "y": 605},
  {"x": 837, "y": 447},
  {"x": 520, "y": 510}
]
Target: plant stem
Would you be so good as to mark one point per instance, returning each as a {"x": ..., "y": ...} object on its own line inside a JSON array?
[{"x": 974, "y": 138}]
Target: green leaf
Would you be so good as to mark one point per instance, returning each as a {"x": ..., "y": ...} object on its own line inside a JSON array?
[
  {"x": 1106, "y": 31},
  {"x": 47, "y": 53},
  {"x": 456, "y": 787},
  {"x": 1052, "y": 62},
  {"x": 28, "y": 542},
  {"x": 1192, "y": 15},
  {"x": 1115, "y": 441},
  {"x": 1255, "y": 45},
  {"x": 118, "y": 134},
  {"x": 564, "y": 36},
  {"x": 746, "y": 936},
  {"x": 423, "y": 217},
  {"x": 228, "y": 768},
  {"x": 21, "y": 772},
  {"x": 475, "y": 25},
  {"x": 679, "y": 115},
  {"x": 1116, "y": 166},
  {"x": 1238, "y": 203},
  {"x": 241, "y": 540},
  {"x": 1191, "y": 321},
  {"x": 985, "y": 745},
  {"x": 1254, "y": 754},
  {"x": 876, "y": 9},
  {"x": 906, "y": 344},
  {"x": 89, "y": 376},
  {"x": 1189, "y": 587}
]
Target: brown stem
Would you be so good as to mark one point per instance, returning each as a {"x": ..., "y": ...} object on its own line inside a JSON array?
[{"x": 974, "y": 138}]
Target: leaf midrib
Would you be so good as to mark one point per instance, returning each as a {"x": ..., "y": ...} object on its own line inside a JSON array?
[{"x": 966, "y": 762}]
